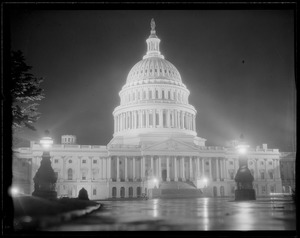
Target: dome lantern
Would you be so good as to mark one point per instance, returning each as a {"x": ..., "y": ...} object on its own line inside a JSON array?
[{"x": 153, "y": 43}]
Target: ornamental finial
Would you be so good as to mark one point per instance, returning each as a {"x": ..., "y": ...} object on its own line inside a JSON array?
[{"x": 152, "y": 25}]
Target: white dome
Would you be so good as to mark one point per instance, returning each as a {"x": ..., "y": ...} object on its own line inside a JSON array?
[{"x": 153, "y": 68}]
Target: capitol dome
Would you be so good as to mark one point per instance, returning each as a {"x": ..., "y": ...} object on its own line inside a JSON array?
[
  {"x": 153, "y": 101},
  {"x": 152, "y": 68}
]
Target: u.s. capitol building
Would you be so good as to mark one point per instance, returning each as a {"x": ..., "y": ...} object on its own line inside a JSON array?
[{"x": 155, "y": 148}]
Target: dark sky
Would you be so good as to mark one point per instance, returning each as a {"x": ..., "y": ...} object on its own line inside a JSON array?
[{"x": 238, "y": 66}]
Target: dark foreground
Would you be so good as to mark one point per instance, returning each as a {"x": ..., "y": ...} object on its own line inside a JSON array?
[
  {"x": 33, "y": 213},
  {"x": 187, "y": 214}
]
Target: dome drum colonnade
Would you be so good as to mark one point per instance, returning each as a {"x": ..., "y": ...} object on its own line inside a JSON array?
[{"x": 154, "y": 99}]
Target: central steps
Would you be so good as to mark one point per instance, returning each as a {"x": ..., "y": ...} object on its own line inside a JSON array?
[{"x": 178, "y": 189}]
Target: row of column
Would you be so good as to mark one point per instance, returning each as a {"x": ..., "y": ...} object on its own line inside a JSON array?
[
  {"x": 196, "y": 168},
  {"x": 153, "y": 94},
  {"x": 161, "y": 118}
]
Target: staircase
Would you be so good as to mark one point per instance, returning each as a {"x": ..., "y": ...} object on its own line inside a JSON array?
[{"x": 179, "y": 190}]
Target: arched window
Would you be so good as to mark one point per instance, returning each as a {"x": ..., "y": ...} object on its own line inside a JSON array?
[
  {"x": 114, "y": 192},
  {"x": 163, "y": 94},
  {"x": 70, "y": 174},
  {"x": 122, "y": 192},
  {"x": 130, "y": 192},
  {"x": 222, "y": 191},
  {"x": 138, "y": 191},
  {"x": 169, "y": 95},
  {"x": 156, "y": 94}
]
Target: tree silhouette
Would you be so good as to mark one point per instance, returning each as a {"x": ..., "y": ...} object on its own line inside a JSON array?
[{"x": 25, "y": 91}]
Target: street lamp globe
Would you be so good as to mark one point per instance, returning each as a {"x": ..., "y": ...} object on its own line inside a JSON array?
[{"x": 46, "y": 142}]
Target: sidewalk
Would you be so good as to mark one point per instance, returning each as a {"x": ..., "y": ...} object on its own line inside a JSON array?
[{"x": 33, "y": 213}]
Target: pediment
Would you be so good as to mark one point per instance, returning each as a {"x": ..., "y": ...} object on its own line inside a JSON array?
[{"x": 171, "y": 145}]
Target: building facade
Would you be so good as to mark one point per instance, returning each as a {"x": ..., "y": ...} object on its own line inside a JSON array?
[{"x": 154, "y": 143}]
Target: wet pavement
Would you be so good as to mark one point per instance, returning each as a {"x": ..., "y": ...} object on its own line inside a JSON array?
[{"x": 188, "y": 214}]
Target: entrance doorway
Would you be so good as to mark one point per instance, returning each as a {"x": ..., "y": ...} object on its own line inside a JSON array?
[
  {"x": 215, "y": 191},
  {"x": 164, "y": 175}
]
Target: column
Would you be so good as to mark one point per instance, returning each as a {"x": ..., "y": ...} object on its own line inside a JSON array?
[
  {"x": 198, "y": 167},
  {"x": 222, "y": 168},
  {"x": 126, "y": 172},
  {"x": 203, "y": 171},
  {"x": 115, "y": 124},
  {"x": 134, "y": 120},
  {"x": 154, "y": 118},
  {"x": 143, "y": 167},
  {"x": 182, "y": 169},
  {"x": 182, "y": 120},
  {"x": 133, "y": 169},
  {"x": 175, "y": 119},
  {"x": 175, "y": 169},
  {"x": 168, "y": 118},
  {"x": 191, "y": 169},
  {"x": 159, "y": 168},
  {"x": 210, "y": 168},
  {"x": 152, "y": 170},
  {"x": 140, "y": 119},
  {"x": 168, "y": 169},
  {"x": 217, "y": 169},
  {"x": 118, "y": 170},
  {"x": 109, "y": 168},
  {"x": 160, "y": 118},
  {"x": 147, "y": 118},
  {"x": 226, "y": 169}
]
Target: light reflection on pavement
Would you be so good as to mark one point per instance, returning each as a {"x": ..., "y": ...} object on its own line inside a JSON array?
[{"x": 188, "y": 214}]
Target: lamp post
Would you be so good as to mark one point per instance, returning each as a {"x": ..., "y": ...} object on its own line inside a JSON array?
[
  {"x": 45, "y": 179},
  {"x": 243, "y": 176}
]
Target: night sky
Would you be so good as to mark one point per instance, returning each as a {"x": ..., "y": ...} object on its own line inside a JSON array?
[{"x": 238, "y": 66}]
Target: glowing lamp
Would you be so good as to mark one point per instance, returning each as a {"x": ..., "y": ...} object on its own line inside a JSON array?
[
  {"x": 155, "y": 180},
  {"x": 46, "y": 142},
  {"x": 242, "y": 149},
  {"x": 14, "y": 191}
]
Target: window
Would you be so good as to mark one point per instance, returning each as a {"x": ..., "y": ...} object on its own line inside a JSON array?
[
  {"x": 207, "y": 163},
  {"x": 231, "y": 162},
  {"x": 261, "y": 163},
  {"x": 84, "y": 161},
  {"x": 263, "y": 189},
  {"x": 150, "y": 94},
  {"x": 70, "y": 161},
  {"x": 231, "y": 175},
  {"x": 94, "y": 191},
  {"x": 56, "y": 161},
  {"x": 122, "y": 192},
  {"x": 70, "y": 174},
  {"x": 130, "y": 192},
  {"x": 271, "y": 175},
  {"x": 270, "y": 162},
  {"x": 114, "y": 192},
  {"x": 83, "y": 175},
  {"x": 262, "y": 175},
  {"x": 94, "y": 161}
]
